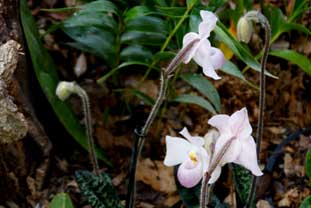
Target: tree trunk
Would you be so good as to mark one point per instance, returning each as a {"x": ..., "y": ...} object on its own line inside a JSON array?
[{"x": 20, "y": 171}]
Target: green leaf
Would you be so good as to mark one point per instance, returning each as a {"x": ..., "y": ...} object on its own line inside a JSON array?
[
  {"x": 163, "y": 55},
  {"x": 98, "y": 190},
  {"x": 190, "y": 3},
  {"x": 143, "y": 38},
  {"x": 61, "y": 200},
  {"x": 194, "y": 99},
  {"x": 86, "y": 19},
  {"x": 94, "y": 40},
  {"x": 136, "y": 53},
  {"x": 204, "y": 86},
  {"x": 137, "y": 11},
  {"x": 45, "y": 71},
  {"x": 100, "y": 6},
  {"x": 145, "y": 98},
  {"x": 303, "y": 62},
  {"x": 176, "y": 12},
  {"x": 232, "y": 69},
  {"x": 147, "y": 24},
  {"x": 237, "y": 48},
  {"x": 242, "y": 179},
  {"x": 308, "y": 164},
  {"x": 306, "y": 203}
]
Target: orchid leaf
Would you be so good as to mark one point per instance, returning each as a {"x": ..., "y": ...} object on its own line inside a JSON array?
[
  {"x": 308, "y": 164},
  {"x": 303, "y": 62},
  {"x": 232, "y": 69},
  {"x": 194, "y": 99},
  {"x": 306, "y": 203},
  {"x": 61, "y": 200},
  {"x": 204, "y": 86}
]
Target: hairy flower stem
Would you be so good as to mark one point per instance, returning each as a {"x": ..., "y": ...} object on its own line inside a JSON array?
[
  {"x": 208, "y": 174},
  {"x": 258, "y": 17},
  {"x": 88, "y": 125},
  {"x": 140, "y": 135}
]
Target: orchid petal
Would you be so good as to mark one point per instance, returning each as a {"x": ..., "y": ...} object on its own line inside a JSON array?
[
  {"x": 215, "y": 175},
  {"x": 204, "y": 158},
  {"x": 209, "y": 71},
  {"x": 217, "y": 58},
  {"x": 208, "y": 23},
  {"x": 240, "y": 125},
  {"x": 196, "y": 140},
  {"x": 232, "y": 152},
  {"x": 220, "y": 122},
  {"x": 189, "y": 174},
  {"x": 177, "y": 150},
  {"x": 248, "y": 156},
  {"x": 188, "y": 38}
]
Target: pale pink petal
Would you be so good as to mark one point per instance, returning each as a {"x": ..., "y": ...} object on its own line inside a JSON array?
[
  {"x": 220, "y": 122},
  {"x": 217, "y": 58},
  {"x": 177, "y": 150},
  {"x": 208, "y": 24},
  {"x": 204, "y": 158},
  {"x": 188, "y": 38},
  {"x": 189, "y": 174},
  {"x": 232, "y": 152},
  {"x": 248, "y": 156},
  {"x": 199, "y": 141},
  {"x": 240, "y": 125},
  {"x": 209, "y": 71},
  {"x": 215, "y": 175}
]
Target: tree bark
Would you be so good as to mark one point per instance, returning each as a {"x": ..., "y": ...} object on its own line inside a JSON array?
[{"x": 19, "y": 160}]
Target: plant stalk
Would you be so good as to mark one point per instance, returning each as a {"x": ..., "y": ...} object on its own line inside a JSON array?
[
  {"x": 258, "y": 17},
  {"x": 140, "y": 135}
]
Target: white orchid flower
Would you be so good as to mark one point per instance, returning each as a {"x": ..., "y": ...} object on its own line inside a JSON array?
[
  {"x": 242, "y": 149},
  {"x": 190, "y": 154},
  {"x": 208, "y": 57}
]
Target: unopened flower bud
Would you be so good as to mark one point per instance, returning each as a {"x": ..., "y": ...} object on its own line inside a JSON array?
[
  {"x": 64, "y": 90},
  {"x": 244, "y": 30}
]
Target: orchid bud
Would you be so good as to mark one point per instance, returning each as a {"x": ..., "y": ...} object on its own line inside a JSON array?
[
  {"x": 244, "y": 30},
  {"x": 64, "y": 90}
]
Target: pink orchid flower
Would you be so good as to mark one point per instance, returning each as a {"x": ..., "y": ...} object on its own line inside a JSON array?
[
  {"x": 190, "y": 154},
  {"x": 242, "y": 149},
  {"x": 206, "y": 56}
]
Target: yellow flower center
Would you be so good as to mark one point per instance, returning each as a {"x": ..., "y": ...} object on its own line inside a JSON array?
[{"x": 193, "y": 157}]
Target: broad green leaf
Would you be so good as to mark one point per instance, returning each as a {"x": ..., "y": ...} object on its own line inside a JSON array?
[
  {"x": 137, "y": 11},
  {"x": 303, "y": 62},
  {"x": 105, "y": 6},
  {"x": 306, "y": 203},
  {"x": 172, "y": 11},
  {"x": 237, "y": 48},
  {"x": 94, "y": 40},
  {"x": 242, "y": 179},
  {"x": 204, "y": 86},
  {"x": 45, "y": 71},
  {"x": 136, "y": 53},
  {"x": 194, "y": 99},
  {"x": 308, "y": 164},
  {"x": 232, "y": 69},
  {"x": 147, "y": 24},
  {"x": 164, "y": 55},
  {"x": 145, "y": 98},
  {"x": 87, "y": 19},
  {"x": 143, "y": 38},
  {"x": 61, "y": 200}
]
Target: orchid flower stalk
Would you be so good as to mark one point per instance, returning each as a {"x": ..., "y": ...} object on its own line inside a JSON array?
[
  {"x": 246, "y": 21},
  {"x": 63, "y": 91},
  {"x": 195, "y": 46}
]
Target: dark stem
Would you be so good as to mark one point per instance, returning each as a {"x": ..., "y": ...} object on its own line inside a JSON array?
[
  {"x": 260, "y": 125},
  {"x": 141, "y": 135},
  {"x": 208, "y": 174}
]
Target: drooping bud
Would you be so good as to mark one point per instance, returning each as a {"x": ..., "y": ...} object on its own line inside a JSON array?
[
  {"x": 64, "y": 89},
  {"x": 244, "y": 30}
]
